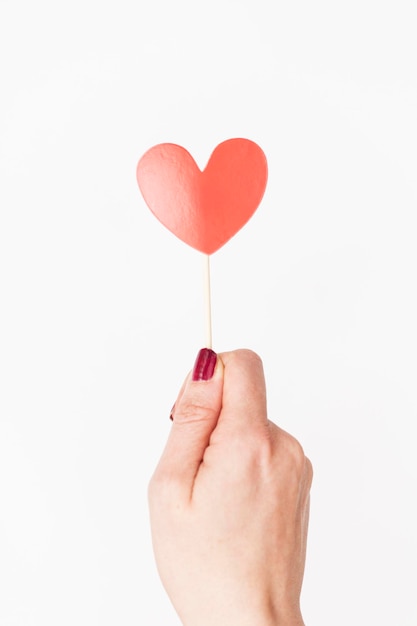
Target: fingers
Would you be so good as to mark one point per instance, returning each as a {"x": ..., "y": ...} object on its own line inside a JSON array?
[
  {"x": 244, "y": 392},
  {"x": 195, "y": 416},
  {"x": 229, "y": 407}
]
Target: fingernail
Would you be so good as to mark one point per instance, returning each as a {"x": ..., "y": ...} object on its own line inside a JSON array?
[
  {"x": 171, "y": 415},
  {"x": 204, "y": 364}
]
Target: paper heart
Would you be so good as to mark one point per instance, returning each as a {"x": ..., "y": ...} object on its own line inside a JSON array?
[{"x": 203, "y": 208}]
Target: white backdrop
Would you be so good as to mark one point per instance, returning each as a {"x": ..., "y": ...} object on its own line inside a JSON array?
[{"x": 101, "y": 307}]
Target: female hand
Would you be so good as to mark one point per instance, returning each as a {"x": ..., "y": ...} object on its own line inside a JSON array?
[{"x": 229, "y": 501}]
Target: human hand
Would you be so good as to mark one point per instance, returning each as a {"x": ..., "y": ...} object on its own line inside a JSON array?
[{"x": 229, "y": 502}]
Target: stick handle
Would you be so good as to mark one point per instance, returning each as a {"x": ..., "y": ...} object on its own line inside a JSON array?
[{"x": 207, "y": 300}]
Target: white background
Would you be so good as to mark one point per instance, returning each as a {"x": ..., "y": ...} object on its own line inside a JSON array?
[{"x": 101, "y": 307}]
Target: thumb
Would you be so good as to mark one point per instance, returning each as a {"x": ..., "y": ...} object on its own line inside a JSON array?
[{"x": 195, "y": 417}]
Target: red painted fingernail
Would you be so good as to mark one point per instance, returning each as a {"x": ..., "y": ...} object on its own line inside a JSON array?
[{"x": 204, "y": 364}]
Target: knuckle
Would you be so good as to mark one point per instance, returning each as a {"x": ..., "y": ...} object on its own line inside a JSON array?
[
  {"x": 155, "y": 486},
  {"x": 253, "y": 451},
  {"x": 297, "y": 451},
  {"x": 298, "y": 456},
  {"x": 262, "y": 448},
  {"x": 294, "y": 453},
  {"x": 194, "y": 412},
  {"x": 161, "y": 487},
  {"x": 309, "y": 471}
]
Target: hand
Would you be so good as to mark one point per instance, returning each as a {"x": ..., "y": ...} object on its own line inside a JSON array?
[{"x": 229, "y": 502}]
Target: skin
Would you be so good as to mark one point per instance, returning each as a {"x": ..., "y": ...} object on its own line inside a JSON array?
[{"x": 229, "y": 504}]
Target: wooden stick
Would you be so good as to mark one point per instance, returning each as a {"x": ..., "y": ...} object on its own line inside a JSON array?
[{"x": 207, "y": 299}]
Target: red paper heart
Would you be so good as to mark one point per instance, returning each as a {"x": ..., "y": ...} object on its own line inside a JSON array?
[{"x": 203, "y": 208}]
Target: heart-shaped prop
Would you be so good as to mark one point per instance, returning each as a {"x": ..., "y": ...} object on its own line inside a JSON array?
[{"x": 203, "y": 208}]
